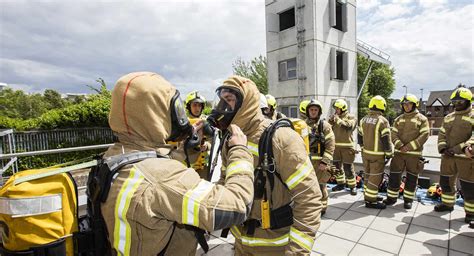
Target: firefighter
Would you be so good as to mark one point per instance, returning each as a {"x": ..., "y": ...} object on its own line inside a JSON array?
[
  {"x": 302, "y": 108},
  {"x": 293, "y": 200},
  {"x": 198, "y": 156},
  {"x": 410, "y": 132},
  {"x": 273, "y": 114},
  {"x": 154, "y": 204},
  {"x": 374, "y": 140},
  {"x": 455, "y": 146},
  {"x": 264, "y": 105},
  {"x": 321, "y": 146},
  {"x": 343, "y": 125}
]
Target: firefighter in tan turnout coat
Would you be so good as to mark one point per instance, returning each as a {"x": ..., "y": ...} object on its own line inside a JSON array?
[
  {"x": 410, "y": 131},
  {"x": 150, "y": 201},
  {"x": 321, "y": 144},
  {"x": 455, "y": 145},
  {"x": 294, "y": 201},
  {"x": 343, "y": 125},
  {"x": 374, "y": 139}
]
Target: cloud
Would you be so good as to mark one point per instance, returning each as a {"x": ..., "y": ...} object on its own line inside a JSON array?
[
  {"x": 429, "y": 49},
  {"x": 189, "y": 43}
]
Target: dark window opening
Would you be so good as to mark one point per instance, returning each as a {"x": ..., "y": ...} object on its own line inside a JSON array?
[
  {"x": 339, "y": 65},
  {"x": 287, "y": 19},
  {"x": 339, "y": 17}
]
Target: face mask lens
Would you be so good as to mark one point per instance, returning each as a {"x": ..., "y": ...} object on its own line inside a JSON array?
[
  {"x": 227, "y": 100},
  {"x": 180, "y": 113}
]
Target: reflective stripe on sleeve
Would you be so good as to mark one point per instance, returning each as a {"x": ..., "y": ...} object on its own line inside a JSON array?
[
  {"x": 21, "y": 207},
  {"x": 253, "y": 148},
  {"x": 122, "y": 230},
  {"x": 341, "y": 144},
  {"x": 469, "y": 207},
  {"x": 384, "y": 131},
  {"x": 300, "y": 174},
  {"x": 301, "y": 239},
  {"x": 191, "y": 201},
  {"x": 413, "y": 144},
  {"x": 239, "y": 167}
]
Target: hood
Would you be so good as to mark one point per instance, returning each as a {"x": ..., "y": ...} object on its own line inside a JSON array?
[
  {"x": 140, "y": 112},
  {"x": 249, "y": 116}
]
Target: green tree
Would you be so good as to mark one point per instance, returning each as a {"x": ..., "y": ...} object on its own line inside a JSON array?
[
  {"x": 380, "y": 82},
  {"x": 255, "y": 70},
  {"x": 17, "y": 104},
  {"x": 53, "y": 99}
]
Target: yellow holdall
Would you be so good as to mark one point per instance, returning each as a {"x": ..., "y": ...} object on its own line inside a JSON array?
[
  {"x": 302, "y": 129},
  {"x": 38, "y": 214}
]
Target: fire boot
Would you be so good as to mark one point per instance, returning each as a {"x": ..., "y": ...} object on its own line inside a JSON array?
[
  {"x": 443, "y": 208},
  {"x": 338, "y": 187},
  {"x": 353, "y": 191},
  {"x": 407, "y": 204},
  {"x": 469, "y": 218},
  {"x": 390, "y": 201},
  {"x": 375, "y": 205}
]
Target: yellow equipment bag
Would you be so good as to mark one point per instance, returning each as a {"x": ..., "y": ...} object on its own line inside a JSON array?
[
  {"x": 38, "y": 214},
  {"x": 302, "y": 129}
]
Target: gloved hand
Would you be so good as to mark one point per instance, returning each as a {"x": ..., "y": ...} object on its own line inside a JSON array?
[{"x": 447, "y": 152}]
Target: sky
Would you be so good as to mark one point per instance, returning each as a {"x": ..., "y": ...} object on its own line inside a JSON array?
[{"x": 66, "y": 45}]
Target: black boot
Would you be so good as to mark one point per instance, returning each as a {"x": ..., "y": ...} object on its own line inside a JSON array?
[
  {"x": 469, "y": 218},
  {"x": 407, "y": 204},
  {"x": 379, "y": 198},
  {"x": 389, "y": 201},
  {"x": 338, "y": 187},
  {"x": 375, "y": 205},
  {"x": 353, "y": 191},
  {"x": 471, "y": 224},
  {"x": 323, "y": 211},
  {"x": 443, "y": 208}
]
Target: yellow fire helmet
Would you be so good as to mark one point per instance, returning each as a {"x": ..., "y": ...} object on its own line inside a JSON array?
[
  {"x": 341, "y": 104},
  {"x": 462, "y": 93},
  {"x": 410, "y": 98},
  {"x": 271, "y": 101},
  {"x": 378, "y": 102},
  {"x": 194, "y": 96},
  {"x": 303, "y": 106}
]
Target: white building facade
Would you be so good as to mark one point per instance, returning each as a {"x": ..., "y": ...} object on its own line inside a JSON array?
[{"x": 311, "y": 52}]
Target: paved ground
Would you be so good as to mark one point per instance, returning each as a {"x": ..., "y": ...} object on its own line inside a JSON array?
[{"x": 348, "y": 228}]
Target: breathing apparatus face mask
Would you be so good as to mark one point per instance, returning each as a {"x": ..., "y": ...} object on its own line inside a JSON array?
[
  {"x": 228, "y": 101},
  {"x": 181, "y": 128}
]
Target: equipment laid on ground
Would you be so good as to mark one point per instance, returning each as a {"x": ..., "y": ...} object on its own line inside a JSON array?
[{"x": 434, "y": 191}]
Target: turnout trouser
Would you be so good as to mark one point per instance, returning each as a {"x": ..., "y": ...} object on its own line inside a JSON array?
[
  {"x": 451, "y": 169},
  {"x": 413, "y": 166},
  {"x": 373, "y": 167},
  {"x": 346, "y": 156},
  {"x": 323, "y": 178}
]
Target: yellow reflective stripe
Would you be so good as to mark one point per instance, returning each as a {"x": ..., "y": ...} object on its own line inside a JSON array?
[
  {"x": 394, "y": 129},
  {"x": 191, "y": 201},
  {"x": 122, "y": 230},
  {"x": 239, "y": 167},
  {"x": 447, "y": 196},
  {"x": 397, "y": 142},
  {"x": 469, "y": 206},
  {"x": 384, "y": 131},
  {"x": 253, "y": 241},
  {"x": 345, "y": 144},
  {"x": 329, "y": 136},
  {"x": 351, "y": 181},
  {"x": 253, "y": 148},
  {"x": 235, "y": 232},
  {"x": 373, "y": 152},
  {"x": 327, "y": 155},
  {"x": 442, "y": 143},
  {"x": 376, "y": 141},
  {"x": 316, "y": 157},
  {"x": 467, "y": 118},
  {"x": 301, "y": 239},
  {"x": 413, "y": 144},
  {"x": 424, "y": 129},
  {"x": 442, "y": 130},
  {"x": 371, "y": 191},
  {"x": 416, "y": 153},
  {"x": 447, "y": 199},
  {"x": 302, "y": 172},
  {"x": 448, "y": 119},
  {"x": 392, "y": 193},
  {"x": 408, "y": 194}
]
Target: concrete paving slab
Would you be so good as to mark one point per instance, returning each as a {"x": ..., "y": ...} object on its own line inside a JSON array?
[
  {"x": 382, "y": 241},
  {"x": 397, "y": 215},
  {"x": 411, "y": 247},
  {"x": 430, "y": 221},
  {"x": 346, "y": 231},
  {"x": 334, "y": 212},
  {"x": 462, "y": 243},
  {"x": 389, "y": 226},
  {"x": 360, "y": 249},
  {"x": 331, "y": 245},
  {"x": 357, "y": 218},
  {"x": 431, "y": 236}
]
